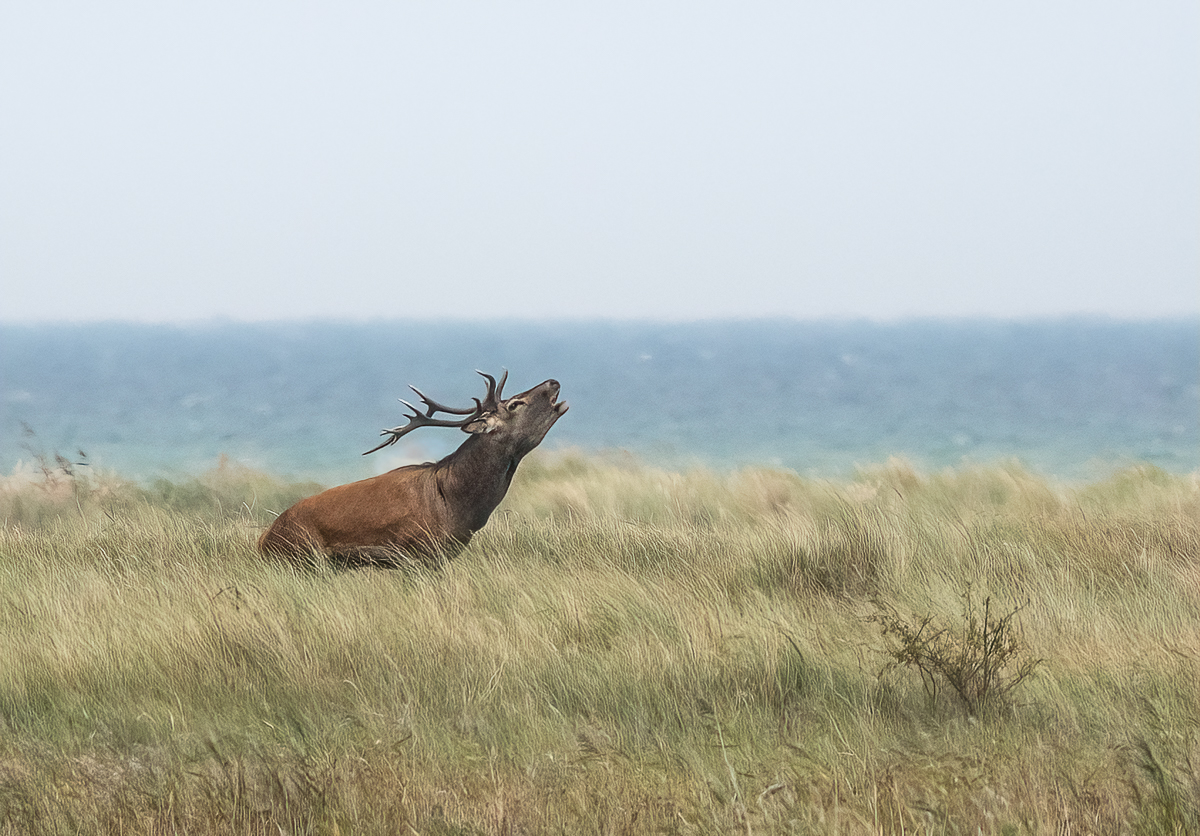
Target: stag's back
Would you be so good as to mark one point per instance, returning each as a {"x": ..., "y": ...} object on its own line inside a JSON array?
[{"x": 374, "y": 520}]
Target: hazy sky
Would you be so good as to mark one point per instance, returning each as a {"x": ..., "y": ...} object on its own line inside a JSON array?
[{"x": 271, "y": 160}]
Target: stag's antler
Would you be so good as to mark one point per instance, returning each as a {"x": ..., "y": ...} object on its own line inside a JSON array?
[
  {"x": 434, "y": 406},
  {"x": 490, "y": 403},
  {"x": 418, "y": 420}
]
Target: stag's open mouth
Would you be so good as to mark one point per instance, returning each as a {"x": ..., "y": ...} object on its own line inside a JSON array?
[{"x": 559, "y": 406}]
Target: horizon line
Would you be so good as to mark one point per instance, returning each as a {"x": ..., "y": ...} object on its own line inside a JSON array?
[{"x": 845, "y": 319}]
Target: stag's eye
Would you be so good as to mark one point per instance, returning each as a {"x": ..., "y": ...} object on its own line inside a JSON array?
[{"x": 512, "y": 407}]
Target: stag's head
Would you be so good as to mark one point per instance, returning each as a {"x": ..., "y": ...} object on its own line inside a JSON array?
[{"x": 518, "y": 423}]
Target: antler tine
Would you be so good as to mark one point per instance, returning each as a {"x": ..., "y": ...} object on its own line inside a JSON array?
[
  {"x": 495, "y": 391},
  {"x": 418, "y": 420},
  {"x": 434, "y": 406}
]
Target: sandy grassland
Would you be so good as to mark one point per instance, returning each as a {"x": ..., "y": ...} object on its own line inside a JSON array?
[{"x": 621, "y": 650}]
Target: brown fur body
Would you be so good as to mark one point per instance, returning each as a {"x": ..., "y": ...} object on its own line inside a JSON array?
[{"x": 425, "y": 511}]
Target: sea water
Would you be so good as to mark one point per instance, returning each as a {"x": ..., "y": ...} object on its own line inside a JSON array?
[{"x": 1072, "y": 399}]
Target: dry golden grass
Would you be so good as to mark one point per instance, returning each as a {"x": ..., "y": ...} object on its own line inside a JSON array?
[{"x": 621, "y": 650}]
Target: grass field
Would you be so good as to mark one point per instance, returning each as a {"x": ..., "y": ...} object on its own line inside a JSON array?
[{"x": 621, "y": 650}]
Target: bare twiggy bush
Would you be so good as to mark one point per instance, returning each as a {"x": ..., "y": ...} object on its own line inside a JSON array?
[{"x": 981, "y": 658}]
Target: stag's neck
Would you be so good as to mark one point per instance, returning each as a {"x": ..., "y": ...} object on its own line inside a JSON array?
[{"x": 474, "y": 479}]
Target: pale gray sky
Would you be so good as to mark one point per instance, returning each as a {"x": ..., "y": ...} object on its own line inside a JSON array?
[{"x": 274, "y": 160}]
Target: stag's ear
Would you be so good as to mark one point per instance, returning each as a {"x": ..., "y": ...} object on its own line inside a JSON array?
[{"x": 484, "y": 424}]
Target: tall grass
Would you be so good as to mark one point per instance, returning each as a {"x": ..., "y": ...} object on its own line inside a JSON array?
[{"x": 621, "y": 650}]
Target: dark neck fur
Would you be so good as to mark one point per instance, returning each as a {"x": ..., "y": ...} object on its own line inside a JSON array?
[{"x": 474, "y": 479}]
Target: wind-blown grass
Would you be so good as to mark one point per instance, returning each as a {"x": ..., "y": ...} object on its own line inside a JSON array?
[{"x": 621, "y": 650}]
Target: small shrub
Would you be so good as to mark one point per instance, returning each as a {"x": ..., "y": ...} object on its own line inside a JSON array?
[{"x": 982, "y": 660}]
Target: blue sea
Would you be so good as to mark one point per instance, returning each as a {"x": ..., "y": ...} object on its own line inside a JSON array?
[{"x": 1073, "y": 399}]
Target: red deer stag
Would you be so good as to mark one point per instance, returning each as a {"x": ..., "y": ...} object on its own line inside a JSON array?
[{"x": 423, "y": 511}]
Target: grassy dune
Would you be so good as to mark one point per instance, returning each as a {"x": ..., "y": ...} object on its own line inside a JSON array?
[{"x": 621, "y": 650}]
